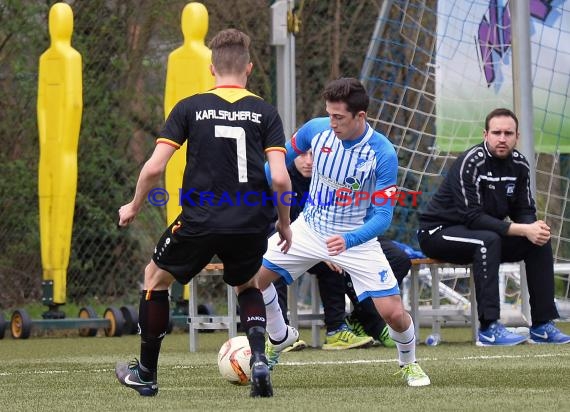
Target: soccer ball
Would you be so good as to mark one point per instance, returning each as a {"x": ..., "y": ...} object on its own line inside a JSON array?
[{"x": 233, "y": 360}]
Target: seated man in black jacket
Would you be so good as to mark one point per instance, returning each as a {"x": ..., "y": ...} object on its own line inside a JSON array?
[{"x": 465, "y": 222}]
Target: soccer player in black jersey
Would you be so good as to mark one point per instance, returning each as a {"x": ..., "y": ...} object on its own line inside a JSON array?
[{"x": 227, "y": 206}]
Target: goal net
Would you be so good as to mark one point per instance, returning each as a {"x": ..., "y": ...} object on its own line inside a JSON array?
[{"x": 433, "y": 71}]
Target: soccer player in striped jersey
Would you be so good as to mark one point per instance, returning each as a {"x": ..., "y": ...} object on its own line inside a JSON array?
[
  {"x": 230, "y": 132},
  {"x": 350, "y": 203}
]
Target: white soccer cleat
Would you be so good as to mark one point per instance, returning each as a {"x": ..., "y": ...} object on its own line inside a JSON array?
[{"x": 272, "y": 351}]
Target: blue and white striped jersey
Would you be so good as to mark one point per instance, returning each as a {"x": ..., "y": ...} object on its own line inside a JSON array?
[{"x": 347, "y": 177}]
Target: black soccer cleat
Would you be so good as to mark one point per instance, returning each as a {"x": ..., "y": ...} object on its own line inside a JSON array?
[
  {"x": 128, "y": 375},
  {"x": 260, "y": 379}
]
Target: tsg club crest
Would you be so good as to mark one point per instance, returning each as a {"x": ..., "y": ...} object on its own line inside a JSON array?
[
  {"x": 352, "y": 182},
  {"x": 510, "y": 189}
]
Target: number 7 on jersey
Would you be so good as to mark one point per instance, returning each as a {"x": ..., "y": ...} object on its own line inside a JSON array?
[{"x": 238, "y": 133}]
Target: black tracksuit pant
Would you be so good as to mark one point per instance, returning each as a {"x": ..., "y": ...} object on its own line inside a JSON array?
[{"x": 486, "y": 250}]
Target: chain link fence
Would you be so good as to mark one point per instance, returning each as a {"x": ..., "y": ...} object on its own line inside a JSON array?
[{"x": 124, "y": 46}]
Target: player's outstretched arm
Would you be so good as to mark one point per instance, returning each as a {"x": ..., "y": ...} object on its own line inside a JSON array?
[
  {"x": 148, "y": 178},
  {"x": 281, "y": 185}
]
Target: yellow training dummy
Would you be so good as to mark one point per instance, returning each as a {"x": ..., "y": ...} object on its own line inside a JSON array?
[
  {"x": 59, "y": 109},
  {"x": 188, "y": 73}
]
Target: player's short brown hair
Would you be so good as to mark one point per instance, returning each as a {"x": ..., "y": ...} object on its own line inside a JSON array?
[
  {"x": 350, "y": 91},
  {"x": 230, "y": 51}
]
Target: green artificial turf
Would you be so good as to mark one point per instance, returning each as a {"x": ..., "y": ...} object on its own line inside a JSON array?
[{"x": 76, "y": 374}]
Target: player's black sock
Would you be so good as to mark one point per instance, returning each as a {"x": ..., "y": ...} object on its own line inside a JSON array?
[
  {"x": 253, "y": 318},
  {"x": 154, "y": 314},
  {"x": 256, "y": 337}
]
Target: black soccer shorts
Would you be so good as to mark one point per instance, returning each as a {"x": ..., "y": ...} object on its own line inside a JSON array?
[{"x": 184, "y": 254}]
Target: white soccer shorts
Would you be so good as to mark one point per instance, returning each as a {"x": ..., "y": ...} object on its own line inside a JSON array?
[{"x": 367, "y": 265}]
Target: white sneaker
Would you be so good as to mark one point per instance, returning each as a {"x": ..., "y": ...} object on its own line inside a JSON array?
[{"x": 273, "y": 351}]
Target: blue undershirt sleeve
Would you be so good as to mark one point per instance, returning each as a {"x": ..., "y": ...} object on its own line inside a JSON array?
[
  {"x": 299, "y": 143},
  {"x": 375, "y": 226},
  {"x": 379, "y": 215}
]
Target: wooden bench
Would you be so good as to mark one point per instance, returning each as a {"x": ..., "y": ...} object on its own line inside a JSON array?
[
  {"x": 228, "y": 322},
  {"x": 436, "y": 313}
]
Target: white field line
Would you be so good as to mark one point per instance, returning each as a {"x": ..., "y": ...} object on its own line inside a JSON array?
[
  {"x": 462, "y": 358},
  {"x": 351, "y": 362}
]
